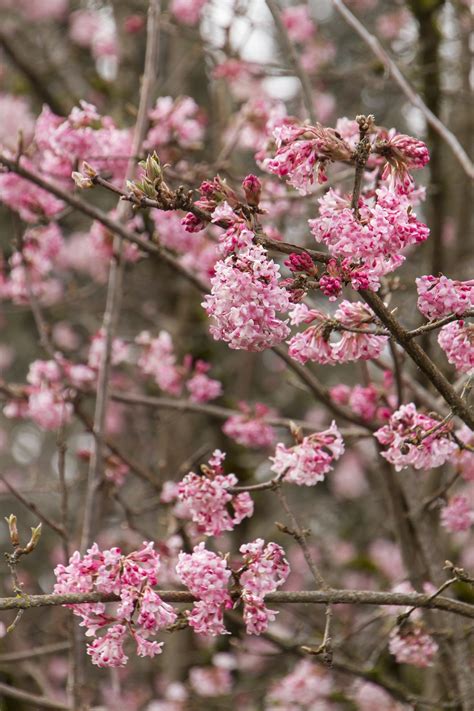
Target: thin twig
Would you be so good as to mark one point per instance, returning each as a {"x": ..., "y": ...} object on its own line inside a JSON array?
[
  {"x": 294, "y": 59},
  {"x": 373, "y": 43}
]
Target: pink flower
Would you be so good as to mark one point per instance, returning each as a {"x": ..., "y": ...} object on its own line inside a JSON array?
[
  {"x": 107, "y": 651},
  {"x": 308, "y": 462},
  {"x": 376, "y": 239},
  {"x": 370, "y": 697},
  {"x": 206, "y": 576},
  {"x": 440, "y": 296},
  {"x": 403, "y": 153},
  {"x": 457, "y": 341},
  {"x": 408, "y": 442},
  {"x": 410, "y": 644},
  {"x": 48, "y": 408},
  {"x": 141, "y": 611},
  {"x": 187, "y": 11},
  {"x": 303, "y": 150},
  {"x": 265, "y": 570},
  {"x": 202, "y": 388},
  {"x": 207, "y": 498},
  {"x": 298, "y": 23},
  {"x": 314, "y": 343},
  {"x": 158, "y": 360},
  {"x": 210, "y": 681},
  {"x": 244, "y": 300},
  {"x": 175, "y": 121},
  {"x": 457, "y": 515},
  {"x": 250, "y": 428},
  {"x": 16, "y": 117},
  {"x": 307, "y": 686}
]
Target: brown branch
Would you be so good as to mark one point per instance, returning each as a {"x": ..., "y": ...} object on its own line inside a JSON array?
[
  {"x": 418, "y": 355},
  {"x": 38, "y": 702},
  {"x": 292, "y": 55},
  {"x": 114, "y": 287},
  {"x": 317, "y": 597},
  {"x": 33, "y": 508},
  {"x": 433, "y": 325}
]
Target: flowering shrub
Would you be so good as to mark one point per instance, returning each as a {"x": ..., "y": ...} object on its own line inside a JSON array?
[{"x": 191, "y": 236}]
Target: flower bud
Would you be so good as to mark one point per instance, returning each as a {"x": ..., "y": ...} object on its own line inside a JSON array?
[
  {"x": 34, "y": 540},
  {"x": 13, "y": 530},
  {"x": 252, "y": 189}
]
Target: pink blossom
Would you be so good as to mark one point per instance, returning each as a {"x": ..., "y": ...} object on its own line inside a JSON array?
[
  {"x": 298, "y": 23},
  {"x": 403, "y": 153},
  {"x": 315, "y": 342},
  {"x": 440, "y": 296},
  {"x": 107, "y": 651},
  {"x": 370, "y": 697},
  {"x": 307, "y": 686},
  {"x": 187, "y": 11},
  {"x": 141, "y": 611},
  {"x": 457, "y": 515},
  {"x": 265, "y": 570},
  {"x": 303, "y": 150},
  {"x": 410, "y": 644},
  {"x": 202, "y": 388},
  {"x": 175, "y": 121},
  {"x": 309, "y": 461},
  {"x": 210, "y": 681},
  {"x": 44, "y": 10},
  {"x": 16, "y": 119},
  {"x": 375, "y": 240},
  {"x": 457, "y": 341},
  {"x": 23, "y": 196},
  {"x": 206, "y": 576},
  {"x": 158, "y": 360},
  {"x": 49, "y": 409},
  {"x": 465, "y": 458},
  {"x": 408, "y": 442},
  {"x": 244, "y": 300},
  {"x": 119, "y": 350},
  {"x": 250, "y": 428},
  {"x": 207, "y": 498}
]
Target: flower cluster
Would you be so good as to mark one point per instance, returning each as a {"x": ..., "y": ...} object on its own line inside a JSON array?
[
  {"x": 315, "y": 342},
  {"x": 207, "y": 498},
  {"x": 415, "y": 439},
  {"x": 265, "y": 569},
  {"x": 366, "y": 402},
  {"x": 250, "y": 428},
  {"x": 141, "y": 612},
  {"x": 440, "y": 296},
  {"x": 411, "y": 644},
  {"x": 175, "y": 122},
  {"x": 457, "y": 515},
  {"x": 47, "y": 403},
  {"x": 306, "y": 687},
  {"x": 206, "y": 576},
  {"x": 245, "y": 299},
  {"x": 373, "y": 239},
  {"x": 303, "y": 151},
  {"x": 311, "y": 459},
  {"x": 187, "y": 11},
  {"x": 402, "y": 153},
  {"x": 457, "y": 341}
]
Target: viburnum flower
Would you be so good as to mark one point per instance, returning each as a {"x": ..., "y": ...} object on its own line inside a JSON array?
[
  {"x": 364, "y": 401},
  {"x": 119, "y": 350},
  {"x": 457, "y": 515},
  {"x": 158, "y": 359},
  {"x": 311, "y": 459},
  {"x": 370, "y": 697},
  {"x": 439, "y": 296},
  {"x": 245, "y": 299},
  {"x": 201, "y": 387},
  {"x": 206, "y": 576},
  {"x": 317, "y": 342},
  {"x": 457, "y": 341},
  {"x": 207, "y": 498},
  {"x": 250, "y": 428},
  {"x": 141, "y": 611},
  {"x": 175, "y": 121},
  {"x": 298, "y": 22},
  {"x": 302, "y": 151},
  {"x": 265, "y": 570},
  {"x": 402, "y": 153},
  {"x": 187, "y": 11},
  {"x": 306, "y": 687},
  {"x": 375, "y": 238},
  {"x": 411, "y": 644},
  {"x": 409, "y": 444},
  {"x": 464, "y": 458},
  {"x": 210, "y": 681}
]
